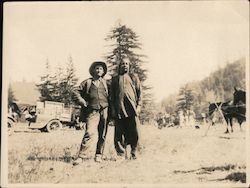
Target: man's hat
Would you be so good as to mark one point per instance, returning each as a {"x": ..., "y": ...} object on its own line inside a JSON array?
[{"x": 92, "y": 67}]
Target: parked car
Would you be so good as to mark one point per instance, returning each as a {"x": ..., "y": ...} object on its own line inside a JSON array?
[{"x": 50, "y": 116}]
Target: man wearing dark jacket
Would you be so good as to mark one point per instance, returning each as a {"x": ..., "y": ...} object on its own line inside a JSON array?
[
  {"x": 126, "y": 102},
  {"x": 92, "y": 95}
]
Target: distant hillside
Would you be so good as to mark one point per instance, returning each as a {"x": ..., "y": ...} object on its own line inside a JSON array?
[
  {"x": 25, "y": 92},
  {"x": 218, "y": 86},
  {"x": 222, "y": 82}
]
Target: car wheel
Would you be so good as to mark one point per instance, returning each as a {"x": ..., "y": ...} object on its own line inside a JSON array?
[{"x": 54, "y": 125}]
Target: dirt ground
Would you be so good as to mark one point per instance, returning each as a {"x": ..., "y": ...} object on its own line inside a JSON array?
[{"x": 166, "y": 156}]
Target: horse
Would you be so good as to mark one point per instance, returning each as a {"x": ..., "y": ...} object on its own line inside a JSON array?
[
  {"x": 229, "y": 111},
  {"x": 239, "y": 97}
]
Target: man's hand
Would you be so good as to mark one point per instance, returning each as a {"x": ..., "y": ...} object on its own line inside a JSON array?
[
  {"x": 83, "y": 102},
  {"x": 138, "y": 109}
]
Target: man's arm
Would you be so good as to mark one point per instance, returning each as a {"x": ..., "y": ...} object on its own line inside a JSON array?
[
  {"x": 138, "y": 88},
  {"x": 112, "y": 97},
  {"x": 78, "y": 92}
]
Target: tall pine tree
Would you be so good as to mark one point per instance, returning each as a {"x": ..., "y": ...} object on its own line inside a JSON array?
[
  {"x": 68, "y": 83},
  {"x": 125, "y": 43}
]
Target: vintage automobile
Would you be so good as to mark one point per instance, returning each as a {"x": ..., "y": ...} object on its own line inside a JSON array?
[{"x": 49, "y": 116}]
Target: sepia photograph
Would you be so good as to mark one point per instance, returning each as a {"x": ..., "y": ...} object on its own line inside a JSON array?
[{"x": 125, "y": 94}]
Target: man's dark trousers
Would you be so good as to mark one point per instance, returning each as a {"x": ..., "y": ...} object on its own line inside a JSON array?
[
  {"x": 96, "y": 121},
  {"x": 129, "y": 128}
]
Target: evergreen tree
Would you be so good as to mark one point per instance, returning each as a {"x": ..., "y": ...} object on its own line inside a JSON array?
[
  {"x": 186, "y": 99},
  {"x": 68, "y": 84},
  {"x": 59, "y": 76},
  {"x": 47, "y": 84},
  {"x": 58, "y": 87},
  {"x": 125, "y": 43}
]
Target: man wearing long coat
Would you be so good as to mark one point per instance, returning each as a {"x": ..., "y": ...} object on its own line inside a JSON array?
[{"x": 126, "y": 102}]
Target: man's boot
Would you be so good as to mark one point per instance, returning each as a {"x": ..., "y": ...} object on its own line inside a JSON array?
[
  {"x": 98, "y": 158},
  {"x": 133, "y": 153},
  {"x": 77, "y": 161}
]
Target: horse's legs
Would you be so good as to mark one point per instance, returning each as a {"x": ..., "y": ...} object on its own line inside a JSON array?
[
  {"x": 240, "y": 122},
  {"x": 231, "y": 124},
  {"x": 227, "y": 126}
]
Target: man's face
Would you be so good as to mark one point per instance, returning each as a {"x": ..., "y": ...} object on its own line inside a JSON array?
[
  {"x": 99, "y": 71},
  {"x": 124, "y": 66}
]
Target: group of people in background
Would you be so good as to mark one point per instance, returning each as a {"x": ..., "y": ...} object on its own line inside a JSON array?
[
  {"x": 102, "y": 101},
  {"x": 187, "y": 118},
  {"x": 181, "y": 119}
]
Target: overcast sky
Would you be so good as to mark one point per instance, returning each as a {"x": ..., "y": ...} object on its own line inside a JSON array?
[{"x": 183, "y": 40}]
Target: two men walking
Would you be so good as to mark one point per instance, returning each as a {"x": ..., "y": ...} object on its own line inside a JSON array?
[{"x": 121, "y": 99}]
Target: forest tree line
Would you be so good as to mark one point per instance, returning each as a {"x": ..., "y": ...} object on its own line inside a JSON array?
[{"x": 217, "y": 87}]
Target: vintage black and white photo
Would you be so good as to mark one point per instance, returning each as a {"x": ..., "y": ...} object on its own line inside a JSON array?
[{"x": 125, "y": 94}]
